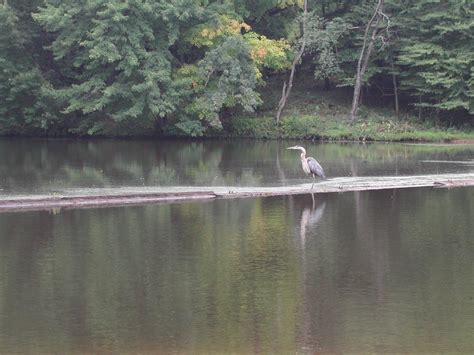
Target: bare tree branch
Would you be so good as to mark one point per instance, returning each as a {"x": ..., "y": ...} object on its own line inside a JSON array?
[
  {"x": 287, "y": 87},
  {"x": 364, "y": 57}
]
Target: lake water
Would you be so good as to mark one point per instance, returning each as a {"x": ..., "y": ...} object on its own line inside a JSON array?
[
  {"x": 380, "y": 271},
  {"x": 39, "y": 165}
]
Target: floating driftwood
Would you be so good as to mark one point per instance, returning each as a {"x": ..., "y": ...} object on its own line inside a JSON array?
[{"x": 76, "y": 198}]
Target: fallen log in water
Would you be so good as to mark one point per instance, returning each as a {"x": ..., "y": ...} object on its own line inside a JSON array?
[{"x": 76, "y": 198}]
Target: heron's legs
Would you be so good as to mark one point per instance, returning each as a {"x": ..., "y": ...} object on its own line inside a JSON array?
[{"x": 313, "y": 181}]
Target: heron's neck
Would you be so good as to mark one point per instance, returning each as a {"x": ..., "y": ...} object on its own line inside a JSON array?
[{"x": 303, "y": 155}]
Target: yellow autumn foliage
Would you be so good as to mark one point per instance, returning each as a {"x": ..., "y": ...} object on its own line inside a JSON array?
[
  {"x": 205, "y": 35},
  {"x": 270, "y": 53}
]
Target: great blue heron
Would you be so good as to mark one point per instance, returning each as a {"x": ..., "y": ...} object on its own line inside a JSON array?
[{"x": 310, "y": 165}]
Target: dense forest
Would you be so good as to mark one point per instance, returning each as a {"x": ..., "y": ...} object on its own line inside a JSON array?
[{"x": 141, "y": 67}]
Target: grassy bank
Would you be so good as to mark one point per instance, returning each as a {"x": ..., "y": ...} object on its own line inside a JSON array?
[
  {"x": 313, "y": 113},
  {"x": 318, "y": 128}
]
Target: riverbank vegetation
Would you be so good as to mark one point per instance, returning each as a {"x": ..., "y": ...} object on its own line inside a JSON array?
[
  {"x": 212, "y": 68},
  {"x": 317, "y": 114}
]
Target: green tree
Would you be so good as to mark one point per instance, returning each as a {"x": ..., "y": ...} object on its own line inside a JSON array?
[
  {"x": 128, "y": 65},
  {"x": 115, "y": 59},
  {"x": 437, "y": 54},
  {"x": 324, "y": 38},
  {"x": 24, "y": 108},
  {"x": 227, "y": 76}
]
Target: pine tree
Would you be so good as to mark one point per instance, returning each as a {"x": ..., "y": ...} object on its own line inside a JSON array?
[
  {"x": 23, "y": 108},
  {"x": 437, "y": 54},
  {"x": 115, "y": 59},
  {"x": 127, "y": 65}
]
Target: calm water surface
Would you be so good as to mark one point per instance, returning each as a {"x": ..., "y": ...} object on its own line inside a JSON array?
[
  {"x": 381, "y": 271},
  {"x": 39, "y": 165}
]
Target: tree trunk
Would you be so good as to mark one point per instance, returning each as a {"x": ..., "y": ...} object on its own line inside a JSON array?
[
  {"x": 327, "y": 84},
  {"x": 419, "y": 109},
  {"x": 395, "y": 88},
  {"x": 364, "y": 57},
  {"x": 287, "y": 87}
]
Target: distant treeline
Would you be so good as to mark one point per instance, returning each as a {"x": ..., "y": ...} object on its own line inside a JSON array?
[{"x": 125, "y": 67}]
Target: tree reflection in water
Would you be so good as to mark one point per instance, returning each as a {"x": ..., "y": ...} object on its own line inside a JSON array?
[{"x": 44, "y": 165}]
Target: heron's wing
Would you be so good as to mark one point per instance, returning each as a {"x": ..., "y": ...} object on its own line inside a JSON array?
[{"x": 315, "y": 167}]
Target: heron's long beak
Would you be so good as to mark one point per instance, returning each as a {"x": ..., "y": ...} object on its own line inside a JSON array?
[{"x": 291, "y": 148}]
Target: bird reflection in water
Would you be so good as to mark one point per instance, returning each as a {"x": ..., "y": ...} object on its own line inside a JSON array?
[{"x": 310, "y": 217}]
